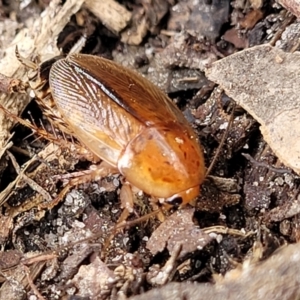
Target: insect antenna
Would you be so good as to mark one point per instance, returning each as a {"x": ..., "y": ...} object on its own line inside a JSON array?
[{"x": 121, "y": 224}]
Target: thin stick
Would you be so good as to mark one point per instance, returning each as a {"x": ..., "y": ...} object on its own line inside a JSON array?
[
  {"x": 212, "y": 164},
  {"x": 265, "y": 165},
  {"x": 32, "y": 285},
  {"x": 28, "y": 180}
]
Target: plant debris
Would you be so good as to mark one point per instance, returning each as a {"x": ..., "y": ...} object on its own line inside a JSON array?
[{"x": 231, "y": 67}]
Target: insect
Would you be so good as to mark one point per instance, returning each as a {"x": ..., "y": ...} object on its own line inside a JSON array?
[{"x": 125, "y": 120}]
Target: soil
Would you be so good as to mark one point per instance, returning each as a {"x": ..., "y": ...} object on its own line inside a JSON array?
[{"x": 240, "y": 237}]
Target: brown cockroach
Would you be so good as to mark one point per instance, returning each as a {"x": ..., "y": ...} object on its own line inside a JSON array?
[{"x": 123, "y": 119}]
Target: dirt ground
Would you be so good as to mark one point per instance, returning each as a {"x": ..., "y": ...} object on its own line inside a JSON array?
[{"x": 240, "y": 237}]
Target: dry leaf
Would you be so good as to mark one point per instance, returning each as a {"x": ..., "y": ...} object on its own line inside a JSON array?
[
  {"x": 178, "y": 229},
  {"x": 265, "y": 81}
]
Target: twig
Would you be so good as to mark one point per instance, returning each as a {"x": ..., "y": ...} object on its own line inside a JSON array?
[
  {"x": 32, "y": 285},
  {"x": 28, "y": 180},
  {"x": 212, "y": 164},
  {"x": 265, "y": 165}
]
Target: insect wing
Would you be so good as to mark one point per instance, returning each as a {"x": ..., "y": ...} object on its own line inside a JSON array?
[
  {"x": 97, "y": 121},
  {"x": 138, "y": 96}
]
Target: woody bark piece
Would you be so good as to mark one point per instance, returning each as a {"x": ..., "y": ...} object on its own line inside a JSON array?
[
  {"x": 113, "y": 15},
  {"x": 292, "y": 6},
  {"x": 40, "y": 40},
  {"x": 258, "y": 281}
]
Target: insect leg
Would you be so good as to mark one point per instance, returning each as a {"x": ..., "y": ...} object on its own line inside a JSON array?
[{"x": 95, "y": 173}]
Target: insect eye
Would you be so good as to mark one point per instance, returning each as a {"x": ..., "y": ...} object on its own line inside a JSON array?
[{"x": 174, "y": 201}]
